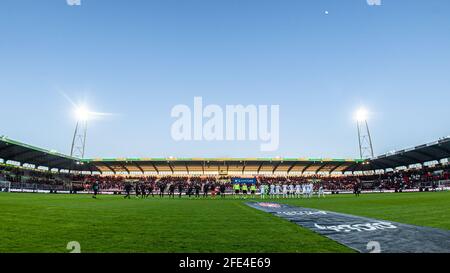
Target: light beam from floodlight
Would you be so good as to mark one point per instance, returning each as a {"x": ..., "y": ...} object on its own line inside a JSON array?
[{"x": 82, "y": 113}]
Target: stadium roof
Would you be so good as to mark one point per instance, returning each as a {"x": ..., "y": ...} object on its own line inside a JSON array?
[
  {"x": 23, "y": 153},
  {"x": 434, "y": 151},
  {"x": 223, "y": 165}
]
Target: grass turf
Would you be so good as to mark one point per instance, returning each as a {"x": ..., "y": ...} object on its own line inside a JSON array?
[{"x": 46, "y": 223}]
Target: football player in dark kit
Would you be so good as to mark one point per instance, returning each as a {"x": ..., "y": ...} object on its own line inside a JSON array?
[
  {"x": 197, "y": 190},
  {"x": 162, "y": 188},
  {"x": 151, "y": 188},
  {"x": 128, "y": 189},
  {"x": 356, "y": 189},
  {"x": 137, "y": 187},
  {"x": 180, "y": 189},
  {"x": 222, "y": 190},
  {"x": 95, "y": 188},
  {"x": 205, "y": 190},
  {"x": 190, "y": 190},
  {"x": 143, "y": 191},
  {"x": 212, "y": 188},
  {"x": 172, "y": 190}
]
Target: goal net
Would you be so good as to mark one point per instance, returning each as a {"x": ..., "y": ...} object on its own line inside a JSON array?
[{"x": 5, "y": 186}]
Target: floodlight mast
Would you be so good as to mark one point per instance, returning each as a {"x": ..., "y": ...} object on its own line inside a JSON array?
[
  {"x": 364, "y": 136},
  {"x": 79, "y": 136},
  {"x": 79, "y": 140}
]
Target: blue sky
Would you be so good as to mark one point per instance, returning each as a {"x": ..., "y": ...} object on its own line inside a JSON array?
[{"x": 140, "y": 58}]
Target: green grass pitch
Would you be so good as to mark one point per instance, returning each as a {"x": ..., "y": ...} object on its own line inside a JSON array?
[{"x": 46, "y": 223}]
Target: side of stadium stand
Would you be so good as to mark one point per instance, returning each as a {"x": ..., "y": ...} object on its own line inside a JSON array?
[
  {"x": 11, "y": 150},
  {"x": 201, "y": 171}
]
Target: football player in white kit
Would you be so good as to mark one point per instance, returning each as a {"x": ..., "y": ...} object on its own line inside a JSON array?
[
  {"x": 311, "y": 190},
  {"x": 272, "y": 191},
  {"x": 298, "y": 190},
  {"x": 321, "y": 192},
  {"x": 305, "y": 190},
  {"x": 291, "y": 191},
  {"x": 278, "y": 190},
  {"x": 262, "y": 191},
  {"x": 285, "y": 191}
]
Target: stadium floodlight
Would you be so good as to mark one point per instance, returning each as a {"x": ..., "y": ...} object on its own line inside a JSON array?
[
  {"x": 362, "y": 115},
  {"x": 364, "y": 137},
  {"x": 82, "y": 113}
]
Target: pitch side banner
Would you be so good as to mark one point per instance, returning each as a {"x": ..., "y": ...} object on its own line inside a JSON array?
[
  {"x": 363, "y": 234},
  {"x": 243, "y": 180}
]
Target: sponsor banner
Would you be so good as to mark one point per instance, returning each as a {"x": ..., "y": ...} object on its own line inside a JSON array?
[
  {"x": 363, "y": 234},
  {"x": 243, "y": 180}
]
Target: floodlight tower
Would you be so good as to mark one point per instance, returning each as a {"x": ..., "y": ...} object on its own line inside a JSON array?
[
  {"x": 364, "y": 137},
  {"x": 79, "y": 136}
]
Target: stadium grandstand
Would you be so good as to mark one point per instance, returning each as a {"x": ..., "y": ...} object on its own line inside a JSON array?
[{"x": 29, "y": 168}]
